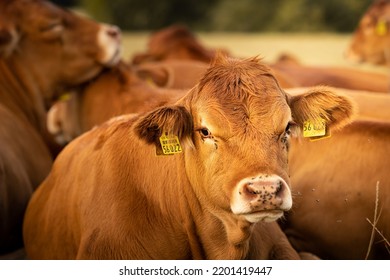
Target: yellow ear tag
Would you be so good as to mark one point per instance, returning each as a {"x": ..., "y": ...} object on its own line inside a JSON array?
[
  {"x": 150, "y": 81},
  {"x": 64, "y": 97},
  {"x": 381, "y": 28},
  {"x": 315, "y": 130},
  {"x": 170, "y": 144}
]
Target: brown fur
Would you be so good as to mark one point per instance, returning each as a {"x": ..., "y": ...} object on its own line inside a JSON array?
[
  {"x": 342, "y": 77},
  {"x": 134, "y": 205},
  {"x": 114, "y": 92},
  {"x": 369, "y": 105},
  {"x": 179, "y": 74},
  {"x": 334, "y": 183},
  {"x": 35, "y": 63}
]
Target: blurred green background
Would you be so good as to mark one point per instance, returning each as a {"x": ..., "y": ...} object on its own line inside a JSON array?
[{"x": 340, "y": 16}]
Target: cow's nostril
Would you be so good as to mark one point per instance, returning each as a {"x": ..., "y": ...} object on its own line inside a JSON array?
[
  {"x": 249, "y": 192},
  {"x": 262, "y": 190}
]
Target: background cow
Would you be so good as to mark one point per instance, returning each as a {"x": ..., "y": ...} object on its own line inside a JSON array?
[
  {"x": 115, "y": 91},
  {"x": 179, "y": 43},
  {"x": 334, "y": 188},
  {"x": 302, "y": 75},
  {"x": 43, "y": 50},
  {"x": 371, "y": 40},
  {"x": 175, "y": 42},
  {"x": 179, "y": 74},
  {"x": 217, "y": 199}
]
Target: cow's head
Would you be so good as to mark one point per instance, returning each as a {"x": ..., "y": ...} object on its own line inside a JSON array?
[
  {"x": 56, "y": 45},
  {"x": 176, "y": 42},
  {"x": 371, "y": 39},
  {"x": 237, "y": 123}
]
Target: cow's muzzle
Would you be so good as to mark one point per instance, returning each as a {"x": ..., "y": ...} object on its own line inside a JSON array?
[{"x": 261, "y": 198}]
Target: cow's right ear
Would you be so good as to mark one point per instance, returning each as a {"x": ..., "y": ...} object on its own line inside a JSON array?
[
  {"x": 171, "y": 120},
  {"x": 8, "y": 40},
  {"x": 322, "y": 103}
]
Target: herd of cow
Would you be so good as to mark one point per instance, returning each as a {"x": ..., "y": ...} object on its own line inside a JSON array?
[{"x": 186, "y": 152}]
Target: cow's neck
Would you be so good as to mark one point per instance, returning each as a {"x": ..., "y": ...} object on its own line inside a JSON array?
[
  {"x": 215, "y": 234},
  {"x": 236, "y": 235},
  {"x": 22, "y": 92}
]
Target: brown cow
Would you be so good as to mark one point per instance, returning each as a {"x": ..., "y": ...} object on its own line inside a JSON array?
[
  {"x": 342, "y": 77},
  {"x": 179, "y": 43},
  {"x": 334, "y": 193},
  {"x": 215, "y": 196},
  {"x": 371, "y": 39},
  {"x": 179, "y": 74},
  {"x": 43, "y": 49},
  {"x": 115, "y": 91},
  {"x": 175, "y": 42}
]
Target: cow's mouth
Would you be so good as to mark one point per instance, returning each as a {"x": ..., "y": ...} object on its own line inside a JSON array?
[{"x": 263, "y": 216}]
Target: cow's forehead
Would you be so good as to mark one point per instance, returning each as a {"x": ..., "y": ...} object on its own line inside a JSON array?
[
  {"x": 238, "y": 79},
  {"x": 271, "y": 121},
  {"x": 233, "y": 82},
  {"x": 241, "y": 95}
]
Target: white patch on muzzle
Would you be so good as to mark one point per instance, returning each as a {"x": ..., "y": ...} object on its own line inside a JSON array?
[{"x": 261, "y": 198}]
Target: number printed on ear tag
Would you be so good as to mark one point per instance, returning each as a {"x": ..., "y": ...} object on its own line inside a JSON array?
[
  {"x": 314, "y": 128},
  {"x": 170, "y": 144}
]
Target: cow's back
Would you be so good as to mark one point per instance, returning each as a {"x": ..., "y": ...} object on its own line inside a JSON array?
[{"x": 334, "y": 181}]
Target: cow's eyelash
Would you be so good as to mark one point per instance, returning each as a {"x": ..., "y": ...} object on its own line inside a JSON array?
[{"x": 291, "y": 126}]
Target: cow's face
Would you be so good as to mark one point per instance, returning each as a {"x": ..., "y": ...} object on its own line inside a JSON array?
[
  {"x": 239, "y": 123},
  {"x": 371, "y": 40},
  {"x": 242, "y": 127},
  {"x": 56, "y": 44}
]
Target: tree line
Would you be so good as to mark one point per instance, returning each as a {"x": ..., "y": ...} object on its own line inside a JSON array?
[{"x": 227, "y": 15}]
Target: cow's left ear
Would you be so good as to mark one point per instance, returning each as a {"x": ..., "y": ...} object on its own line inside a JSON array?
[
  {"x": 322, "y": 103},
  {"x": 171, "y": 120}
]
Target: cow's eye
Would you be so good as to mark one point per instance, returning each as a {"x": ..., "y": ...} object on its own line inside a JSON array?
[
  {"x": 288, "y": 128},
  {"x": 205, "y": 133}
]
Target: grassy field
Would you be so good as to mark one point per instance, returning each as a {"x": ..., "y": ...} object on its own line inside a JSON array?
[{"x": 313, "y": 49}]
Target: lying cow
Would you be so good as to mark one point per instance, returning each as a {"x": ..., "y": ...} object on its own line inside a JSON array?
[
  {"x": 179, "y": 43},
  {"x": 115, "y": 91},
  {"x": 301, "y": 75},
  {"x": 175, "y": 42},
  {"x": 334, "y": 193},
  {"x": 43, "y": 49},
  {"x": 371, "y": 39},
  {"x": 203, "y": 178},
  {"x": 178, "y": 74}
]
